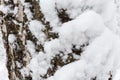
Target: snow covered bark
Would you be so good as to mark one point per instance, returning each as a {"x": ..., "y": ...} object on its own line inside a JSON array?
[
  {"x": 24, "y": 30},
  {"x": 44, "y": 39}
]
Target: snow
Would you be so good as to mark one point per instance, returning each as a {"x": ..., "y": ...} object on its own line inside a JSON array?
[
  {"x": 81, "y": 29},
  {"x": 36, "y": 28},
  {"x": 68, "y": 70},
  {"x": 94, "y": 22},
  {"x": 73, "y": 7},
  {"x": 4, "y": 8},
  {"x": 31, "y": 47},
  {"x": 15, "y": 1},
  {"x": 52, "y": 48},
  {"x": 48, "y": 9},
  {"x": 99, "y": 28},
  {"x": 3, "y": 69},
  {"x": 38, "y": 67},
  {"x": 100, "y": 55},
  {"x": 38, "y": 64},
  {"x": 15, "y": 10},
  {"x": 80, "y": 26},
  {"x": 27, "y": 11},
  {"x": 11, "y": 38},
  {"x": 117, "y": 75},
  {"x": 102, "y": 52}
]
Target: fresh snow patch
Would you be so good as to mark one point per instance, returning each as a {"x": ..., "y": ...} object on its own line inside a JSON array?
[
  {"x": 3, "y": 69},
  {"x": 95, "y": 59},
  {"x": 37, "y": 28},
  {"x": 4, "y": 9},
  {"x": 49, "y": 11},
  {"x": 11, "y": 38}
]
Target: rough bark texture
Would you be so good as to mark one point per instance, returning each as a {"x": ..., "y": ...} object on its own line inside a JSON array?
[{"x": 16, "y": 51}]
